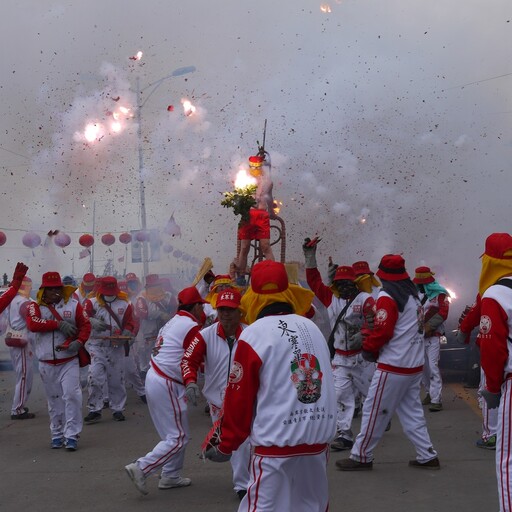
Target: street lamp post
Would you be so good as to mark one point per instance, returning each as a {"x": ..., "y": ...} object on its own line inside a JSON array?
[{"x": 140, "y": 104}]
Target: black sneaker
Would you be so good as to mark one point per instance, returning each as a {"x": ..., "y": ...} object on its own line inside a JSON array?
[
  {"x": 430, "y": 464},
  {"x": 241, "y": 493},
  {"x": 92, "y": 417},
  {"x": 340, "y": 443},
  {"x": 118, "y": 416},
  {"x": 353, "y": 465},
  {"x": 23, "y": 416},
  {"x": 143, "y": 399}
]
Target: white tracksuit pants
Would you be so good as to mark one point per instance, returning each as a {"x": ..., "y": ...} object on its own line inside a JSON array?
[
  {"x": 295, "y": 483},
  {"x": 168, "y": 408},
  {"x": 504, "y": 447},
  {"x": 22, "y": 363},
  {"x": 390, "y": 392},
  {"x": 64, "y": 396},
  {"x": 107, "y": 366},
  {"x": 431, "y": 373},
  {"x": 352, "y": 375},
  {"x": 489, "y": 416}
]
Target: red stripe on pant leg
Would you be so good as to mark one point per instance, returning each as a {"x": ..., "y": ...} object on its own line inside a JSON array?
[
  {"x": 373, "y": 416},
  {"x": 508, "y": 419},
  {"x": 23, "y": 377},
  {"x": 256, "y": 483},
  {"x": 181, "y": 435}
]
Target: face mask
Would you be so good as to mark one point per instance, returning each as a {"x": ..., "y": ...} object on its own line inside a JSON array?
[{"x": 109, "y": 298}]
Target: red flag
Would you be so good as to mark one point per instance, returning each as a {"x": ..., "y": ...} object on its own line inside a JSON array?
[
  {"x": 120, "y": 259},
  {"x": 84, "y": 253}
]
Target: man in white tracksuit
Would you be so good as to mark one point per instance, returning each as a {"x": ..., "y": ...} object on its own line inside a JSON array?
[
  {"x": 19, "y": 340},
  {"x": 396, "y": 343},
  {"x": 165, "y": 394},
  {"x": 349, "y": 309},
  {"x": 61, "y": 329},
  {"x": 434, "y": 299},
  {"x": 281, "y": 396},
  {"x": 216, "y": 346},
  {"x": 113, "y": 329}
]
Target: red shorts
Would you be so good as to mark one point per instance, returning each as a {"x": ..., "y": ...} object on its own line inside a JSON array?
[{"x": 258, "y": 227}]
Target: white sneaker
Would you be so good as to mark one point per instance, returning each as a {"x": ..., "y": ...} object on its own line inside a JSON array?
[
  {"x": 167, "y": 482},
  {"x": 137, "y": 477}
]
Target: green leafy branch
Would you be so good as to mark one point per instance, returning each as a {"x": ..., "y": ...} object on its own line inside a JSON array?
[{"x": 241, "y": 200}]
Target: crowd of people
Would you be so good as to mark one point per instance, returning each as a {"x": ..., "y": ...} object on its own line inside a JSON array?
[{"x": 281, "y": 393}]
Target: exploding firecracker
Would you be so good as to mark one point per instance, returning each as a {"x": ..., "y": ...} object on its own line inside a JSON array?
[
  {"x": 137, "y": 56},
  {"x": 244, "y": 180},
  {"x": 188, "y": 108},
  {"x": 325, "y": 8}
]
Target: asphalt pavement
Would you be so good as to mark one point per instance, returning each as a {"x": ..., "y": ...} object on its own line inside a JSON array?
[{"x": 34, "y": 477}]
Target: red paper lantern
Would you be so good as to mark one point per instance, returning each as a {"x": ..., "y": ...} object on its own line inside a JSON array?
[
  {"x": 142, "y": 236},
  {"x": 3, "y": 238},
  {"x": 125, "y": 238},
  {"x": 62, "y": 240},
  {"x": 86, "y": 240},
  {"x": 108, "y": 239},
  {"x": 31, "y": 240}
]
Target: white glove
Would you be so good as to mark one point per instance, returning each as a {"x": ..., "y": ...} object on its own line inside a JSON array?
[
  {"x": 74, "y": 346},
  {"x": 192, "y": 391},
  {"x": 98, "y": 324},
  {"x": 67, "y": 328},
  {"x": 309, "y": 254}
]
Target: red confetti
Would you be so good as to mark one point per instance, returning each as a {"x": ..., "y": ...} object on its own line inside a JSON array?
[{"x": 170, "y": 108}]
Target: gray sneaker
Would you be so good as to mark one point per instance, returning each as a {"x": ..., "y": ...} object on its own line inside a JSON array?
[
  {"x": 167, "y": 482},
  {"x": 137, "y": 477}
]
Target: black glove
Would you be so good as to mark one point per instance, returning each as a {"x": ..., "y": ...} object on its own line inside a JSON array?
[
  {"x": 67, "y": 328},
  {"x": 369, "y": 356},
  {"x": 215, "y": 455},
  {"x": 19, "y": 274},
  {"x": 492, "y": 399}
]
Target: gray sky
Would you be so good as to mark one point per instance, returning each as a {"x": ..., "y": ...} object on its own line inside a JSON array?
[{"x": 384, "y": 110}]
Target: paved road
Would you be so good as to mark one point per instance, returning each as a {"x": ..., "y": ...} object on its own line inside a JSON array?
[{"x": 34, "y": 477}]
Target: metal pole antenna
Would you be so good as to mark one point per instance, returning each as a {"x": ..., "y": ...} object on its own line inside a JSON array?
[
  {"x": 145, "y": 264},
  {"x": 91, "y": 260}
]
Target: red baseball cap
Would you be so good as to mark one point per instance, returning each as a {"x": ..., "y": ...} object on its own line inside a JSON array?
[
  {"x": 189, "y": 296},
  {"x": 344, "y": 273},
  {"x": 51, "y": 280},
  {"x": 269, "y": 277},
  {"x": 229, "y": 298},
  {"x": 499, "y": 246}
]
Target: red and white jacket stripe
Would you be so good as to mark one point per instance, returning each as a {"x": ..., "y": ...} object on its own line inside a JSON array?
[
  {"x": 395, "y": 336},
  {"x": 48, "y": 336},
  {"x": 172, "y": 341},
  {"x": 210, "y": 346},
  {"x": 495, "y": 335},
  {"x": 283, "y": 407}
]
